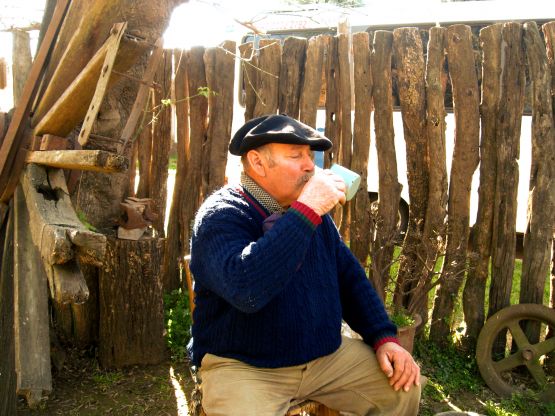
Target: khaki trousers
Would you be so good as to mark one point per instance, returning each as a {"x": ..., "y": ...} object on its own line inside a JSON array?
[{"x": 348, "y": 380}]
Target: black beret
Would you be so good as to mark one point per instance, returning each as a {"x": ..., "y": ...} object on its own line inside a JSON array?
[{"x": 275, "y": 129}]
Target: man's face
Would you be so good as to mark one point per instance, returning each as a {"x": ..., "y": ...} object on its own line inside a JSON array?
[{"x": 287, "y": 168}]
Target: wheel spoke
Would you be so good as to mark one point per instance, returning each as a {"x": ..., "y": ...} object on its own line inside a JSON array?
[
  {"x": 518, "y": 334},
  {"x": 546, "y": 346},
  {"x": 537, "y": 372},
  {"x": 508, "y": 363}
]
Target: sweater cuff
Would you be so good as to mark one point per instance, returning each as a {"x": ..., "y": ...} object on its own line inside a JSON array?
[
  {"x": 307, "y": 214},
  {"x": 383, "y": 340}
]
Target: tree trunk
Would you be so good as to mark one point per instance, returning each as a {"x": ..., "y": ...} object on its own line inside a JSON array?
[
  {"x": 131, "y": 304},
  {"x": 7, "y": 345},
  {"x": 269, "y": 66},
  {"x": 389, "y": 186},
  {"x": 360, "y": 220},
  {"x": 22, "y": 61},
  {"x": 475, "y": 288},
  {"x": 291, "y": 75},
  {"x": 541, "y": 202},
  {"x": 409, "y": 59},
  {"x": 312, "y": 82},
  {"x": 465, "y": 160}
]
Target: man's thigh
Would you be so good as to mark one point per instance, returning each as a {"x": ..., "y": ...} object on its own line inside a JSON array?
[
  {"x": 230, "y": 387},
  {"x": 351, "y": 380}
]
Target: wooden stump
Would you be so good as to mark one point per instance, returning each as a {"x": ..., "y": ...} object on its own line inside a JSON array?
[{"x": 131, "y": 304}]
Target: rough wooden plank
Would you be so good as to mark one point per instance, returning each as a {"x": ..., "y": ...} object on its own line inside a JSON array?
[
  {"x": 249, "y": 63},
  {"x": 71, "y": 107},
  {"x": 333, "y": 119},
  {"x": 269, "y": 64},
  {"x": 51, "y": 142},
  {"x": 541, "y": 202},
  {"x": 389, "y": 186},
  {"x": 198, "y": 112},
  {"x": 220, "y": 74},
  {"x": 433, "y": 238},
  {"x": 360, "y": 220},
  {"x": 409, "y": 59},
  {"x": 291, "y": 75},
  {"x": 312, "y": 82},
  {"x": 131, "y": 306},
  {"x": 161, "y": 142},
  {"x": 465, "y": 160},
  {"x": 21, "y": 62},
  {"x": 92, "y": 160},
  {"x": 31, "y": 318},
  {"x": 475, "y": 287},
  {"x": 8, "y": 380},
  {"x": 346, "y": 136},
  {"x": 16, "y": 137},
  {"x": 509, "y": 119}
]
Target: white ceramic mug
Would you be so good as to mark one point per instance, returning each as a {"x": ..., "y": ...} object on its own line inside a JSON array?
[{"x": 351, "y": 179}]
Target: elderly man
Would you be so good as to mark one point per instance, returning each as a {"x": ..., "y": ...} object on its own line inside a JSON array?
[{"x": 273, "y": 282}]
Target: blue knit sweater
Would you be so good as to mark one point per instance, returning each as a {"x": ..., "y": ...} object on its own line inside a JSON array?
[{"x": 277, "y": 298}]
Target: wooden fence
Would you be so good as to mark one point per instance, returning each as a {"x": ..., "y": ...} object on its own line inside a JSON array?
[{"x": 487, "y": 87}]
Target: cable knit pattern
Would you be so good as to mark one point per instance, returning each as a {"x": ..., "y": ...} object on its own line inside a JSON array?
[{"x": 276, "y": 298}]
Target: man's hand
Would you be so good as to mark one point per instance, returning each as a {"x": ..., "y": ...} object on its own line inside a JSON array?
[
  {"x": 323, "y": 191},
  {"x": 398, "y": 365}
]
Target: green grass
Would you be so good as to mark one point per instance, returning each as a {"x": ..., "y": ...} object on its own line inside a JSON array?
[{"x": 178, "y": 323}]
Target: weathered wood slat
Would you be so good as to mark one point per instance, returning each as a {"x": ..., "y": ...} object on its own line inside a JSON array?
[
  {"x": 409, "y": 59},
  {"x": 360, "y": 215},
  {"x": 8, "y": 381},
  {"x": 389, "y": 186},
  {"x": 541, "y": 202},
  {"x": 16, "y": 136},
  {"x": 93, "y": 160},
  {"x": 198, "y": 113},
  {"x": 293, "y": 58},
  {"x": 71, "y": 107},
  {"x": 220, "y": 75},
  {"x": 161, "y": 143},
  {"x": 269, "y": 65},
  {"x": 333, "y": 119},
  {"x": 434, "y": 227},
  {"x": 312, "y": 82},
  {"x": 475, "y": 287},
  {"x": 21, "y": 62},
  {"x": 31, "y": 321},
  {"x": 51, "y": 142},
  {"x": 466, "y": 97},
  {"x": 249, "y": 62},
  {"x": 344, "y": 59},
  {"x": 509, "y": 119}
]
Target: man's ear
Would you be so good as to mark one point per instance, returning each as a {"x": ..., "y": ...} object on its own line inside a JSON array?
[{"x": 256, "y": 162}]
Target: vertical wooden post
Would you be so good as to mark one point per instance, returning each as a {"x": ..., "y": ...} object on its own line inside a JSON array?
[
  {"x": 7, "y": 346},
  {"x": 389, "y": 186},
  {"x": 408, "y": 54},
  {"x": 198, "y": 112},
  {"x": 541, "y": 201},
  {"x": 475, "y": 287},
  {"x": 360, "y": 215},
  {"x": 32, "y": 338},
  {"x": 220, "y": 74},
  {"x": 291, "y": 75},
  {"x": 161, "y": 142},
  {"x": 131, "y": 304},
  {"x": 333, "y": 112},
  {"x": 465, "y": 160},
  {"x": 269, "y": 65},
  {"x": 508, "y": 149},
  {"x": 22, "y": 61},
  {"x": 312, "y": 82},
  {"x": 249, "y": 62}
]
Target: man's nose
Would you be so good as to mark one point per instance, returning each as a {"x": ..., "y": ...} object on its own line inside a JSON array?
[{"x": 308, "y": 164}]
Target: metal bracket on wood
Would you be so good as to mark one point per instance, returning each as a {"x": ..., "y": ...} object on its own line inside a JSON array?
[{"x": 111, "y": 52}]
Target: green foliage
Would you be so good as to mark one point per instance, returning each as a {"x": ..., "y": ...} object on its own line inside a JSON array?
[
  {"x": 83, "y": 218},
  {"x": 205, "y": 92},
  {"x": 520, "y": 404},
  {"x": 177, "y": 317},
  {"x": 401, "y": 318}
]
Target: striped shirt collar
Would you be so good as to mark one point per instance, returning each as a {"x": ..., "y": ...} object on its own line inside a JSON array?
[{"x": 263, "y": 197}]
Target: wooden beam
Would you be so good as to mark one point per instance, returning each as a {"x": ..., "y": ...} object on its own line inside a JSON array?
[
  {"x": 32, "y": 337},
  {"x": 92, "y": 160},
  {"x": 71, "y": 107},
  {"x": 15, "y": 136}
]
